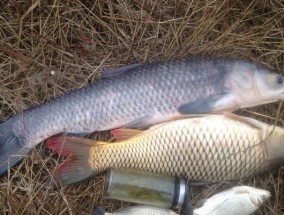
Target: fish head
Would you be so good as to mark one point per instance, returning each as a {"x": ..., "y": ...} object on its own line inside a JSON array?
[
  {"x": 253, "y": 84},
  {"x": 270, "y": 85},
  {"x": 258, "y": 196}
]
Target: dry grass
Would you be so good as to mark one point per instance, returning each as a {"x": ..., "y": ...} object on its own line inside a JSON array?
[{"x": 75, "y": 40}]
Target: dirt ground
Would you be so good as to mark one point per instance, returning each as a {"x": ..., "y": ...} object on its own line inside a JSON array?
[{"x": 49, "y": 47}]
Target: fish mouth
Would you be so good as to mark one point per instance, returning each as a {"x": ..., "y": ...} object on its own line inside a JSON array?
[{"x": 268, "y": 194}]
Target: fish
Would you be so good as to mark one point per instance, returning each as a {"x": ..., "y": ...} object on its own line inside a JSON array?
[
  {"x": 239, "y": 200},
  {"x": 141, "y": 95},
  {"x": 206, "y": 149},
  {"x": 135, "y": 210}
]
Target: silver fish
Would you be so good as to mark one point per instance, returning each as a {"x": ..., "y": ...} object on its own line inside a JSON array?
[
  {"x": 141, "y": 95},
  {"x": 136, "y": 210},
  {"x": 211, "y": 148},
  {"x": 241, "y": 200}
]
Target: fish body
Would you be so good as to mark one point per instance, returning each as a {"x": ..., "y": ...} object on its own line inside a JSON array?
[
  {"x": 211, "y": 148},
  {"x": 240, "y": 200},
  {"x": 141, "y": 95},
  {"x": 136, "y": 210}
]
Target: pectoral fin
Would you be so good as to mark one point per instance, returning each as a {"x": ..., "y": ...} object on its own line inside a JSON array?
[
  {"x": 150, "y": 123},
  {"x": 213, "y": 104},
  {"x": 119, "y": 71},
  {"x": 143, "y": 122}
]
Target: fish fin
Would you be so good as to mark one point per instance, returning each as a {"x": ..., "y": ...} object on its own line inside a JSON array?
[
  {"x": 145, "y": 122},
  {"x": 149, "y": 121},
  {"x": 77, "y": 168},
  {"x": 125, "y": 133},
  {"x": 11, "y": 150},
  {"x": 242, "y": 190},
  {"x": 209, "y": 105},
  {"x": 114, "y": 72},
  {"x": 189, "y": 116},
  {"x": 141, "y": 123},
  {"x": 138, "y": 127},
  {"x": 97, "y": 210},
  {"x": 251, "y": 122}
]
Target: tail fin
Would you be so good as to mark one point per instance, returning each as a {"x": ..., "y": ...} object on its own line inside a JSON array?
[
  {"x": 77, "y": 168},
  {"x": 11, "y": 150},
  {"x": 97, "y": 210}
]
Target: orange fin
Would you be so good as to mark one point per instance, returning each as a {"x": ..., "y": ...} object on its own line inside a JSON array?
[
  {"x": 125, "y": 133},
  {"x": 77, "y": 168}
]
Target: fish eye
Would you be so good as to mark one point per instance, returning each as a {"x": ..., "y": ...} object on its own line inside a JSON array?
[
  {"x": 263, "y": 197},
  {"x": 279, "y": 80}
]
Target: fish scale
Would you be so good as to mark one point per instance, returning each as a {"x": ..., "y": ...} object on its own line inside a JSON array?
[
  {"x": 141, "y": 95},
  {"x": 199, "y": 152},
  {"x": 109, "y": 99},
  {"x": 211, "y": 148}
]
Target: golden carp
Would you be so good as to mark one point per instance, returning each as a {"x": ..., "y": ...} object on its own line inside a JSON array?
[{"x": 210, "y": 148}]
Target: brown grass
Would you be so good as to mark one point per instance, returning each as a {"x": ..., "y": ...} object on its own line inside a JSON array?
[{"x": 76, "y": 40}]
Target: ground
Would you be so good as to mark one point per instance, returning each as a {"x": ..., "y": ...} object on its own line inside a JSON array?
[{"x": 49, "y": 47}]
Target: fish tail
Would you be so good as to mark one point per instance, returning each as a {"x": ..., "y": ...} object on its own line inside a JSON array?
[
  {"x": 11, "y": 150},
  {"x": 77, "y": 168}
]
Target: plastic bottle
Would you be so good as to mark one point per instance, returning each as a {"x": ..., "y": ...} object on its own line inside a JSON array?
[{"x": 146, "y": 188}]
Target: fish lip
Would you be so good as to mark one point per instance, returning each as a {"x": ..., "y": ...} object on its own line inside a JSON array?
[{"x": 269, "y": 194}]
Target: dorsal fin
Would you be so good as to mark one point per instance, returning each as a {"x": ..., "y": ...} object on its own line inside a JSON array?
[
  {"x": 251, "y": 122},
  {"x": 125, "y": 133},
  {"x": 114, "y": 72}
]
